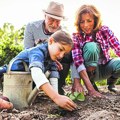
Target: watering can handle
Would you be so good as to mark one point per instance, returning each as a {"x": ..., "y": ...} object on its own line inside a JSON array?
[{"x": 11, "y": 63}]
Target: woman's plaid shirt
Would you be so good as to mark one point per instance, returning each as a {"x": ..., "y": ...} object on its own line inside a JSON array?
[{"x": 106, "y": 39}]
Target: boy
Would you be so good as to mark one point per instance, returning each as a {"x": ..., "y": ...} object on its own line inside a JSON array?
[{"x": 41, "y": 58}]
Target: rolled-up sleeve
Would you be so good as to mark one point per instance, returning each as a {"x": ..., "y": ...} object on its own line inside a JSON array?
[
  {"x": 38, "y": 78},
  {"x": 77, "y": 53}
]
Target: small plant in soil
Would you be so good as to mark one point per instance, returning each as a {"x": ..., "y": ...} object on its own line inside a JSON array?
[{"x": 76, "y": 96}]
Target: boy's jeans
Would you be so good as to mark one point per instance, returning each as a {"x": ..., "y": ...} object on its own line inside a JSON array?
[
  {"x": 54, "y": 83},
  {"x": 3, "y": 69}
]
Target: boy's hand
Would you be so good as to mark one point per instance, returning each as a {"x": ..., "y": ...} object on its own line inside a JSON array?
[
  {"x": 5, "y": 104},
  {"x": 61, "y": 100},
  {"x": 65, "y": 102}
]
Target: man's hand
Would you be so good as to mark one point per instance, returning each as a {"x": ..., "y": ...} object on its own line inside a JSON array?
[
  {"x": 59, "y": 65},
  {"x": 77, "y": 87}
]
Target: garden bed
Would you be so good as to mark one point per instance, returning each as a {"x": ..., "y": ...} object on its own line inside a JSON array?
[{"x": 90, "y": 109}]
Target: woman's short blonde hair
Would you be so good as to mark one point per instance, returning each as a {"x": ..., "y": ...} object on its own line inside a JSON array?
[{"x": 92, "y": 10}]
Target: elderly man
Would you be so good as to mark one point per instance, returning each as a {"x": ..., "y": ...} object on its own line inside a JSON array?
[{"x": 38, "y": 31}]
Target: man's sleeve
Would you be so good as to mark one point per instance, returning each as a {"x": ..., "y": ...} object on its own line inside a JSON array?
[{"x": 28, "y": 37}]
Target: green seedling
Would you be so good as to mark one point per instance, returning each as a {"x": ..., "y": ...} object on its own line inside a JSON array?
[
  {"x": 71, "y": 96},
  {"x": 76, "y": 96},
  {"x": 81, "y": 97}
]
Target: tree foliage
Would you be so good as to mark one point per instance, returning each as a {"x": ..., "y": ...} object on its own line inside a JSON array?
[{"x": 10, "y": 42}]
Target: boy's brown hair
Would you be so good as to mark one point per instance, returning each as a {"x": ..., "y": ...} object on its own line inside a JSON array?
[{"x": 62, "y": 37}]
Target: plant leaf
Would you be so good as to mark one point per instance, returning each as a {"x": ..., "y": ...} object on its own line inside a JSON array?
[
  {"x": 76, "y": 94},
  {"x": 81, "y": 97},
  {"x": 72, "y": 97}
]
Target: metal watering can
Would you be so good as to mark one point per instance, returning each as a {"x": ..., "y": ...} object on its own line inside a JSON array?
[{"x": 17, "y": 86}]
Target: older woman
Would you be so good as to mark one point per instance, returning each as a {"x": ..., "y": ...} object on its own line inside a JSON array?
[{"x": 92, "y": 43}]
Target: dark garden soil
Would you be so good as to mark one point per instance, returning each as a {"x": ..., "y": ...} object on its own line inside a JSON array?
[{"x": 91, "y": 109}]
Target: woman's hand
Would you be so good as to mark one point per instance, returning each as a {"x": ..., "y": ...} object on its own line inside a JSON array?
[
  {"x": 95, "y": 93},
  {"x": 91, "y": 91}
]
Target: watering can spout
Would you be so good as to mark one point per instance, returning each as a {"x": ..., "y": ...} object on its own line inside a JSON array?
[
  {"x": 32, "y": 96},
  {"x": 35, "y": 91}
]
